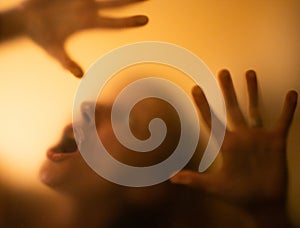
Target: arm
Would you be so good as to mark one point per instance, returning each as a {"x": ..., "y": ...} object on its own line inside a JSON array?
[
  {"x": 253, "y": 174},
  {"x": 50, "y": 23},
  {"x": 11, "y": 24}
]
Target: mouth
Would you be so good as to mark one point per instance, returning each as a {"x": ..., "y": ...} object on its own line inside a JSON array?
[{"x": 66, "y": 147}]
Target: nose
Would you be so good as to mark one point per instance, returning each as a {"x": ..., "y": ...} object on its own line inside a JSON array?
[{"x": 68, "y": 131}]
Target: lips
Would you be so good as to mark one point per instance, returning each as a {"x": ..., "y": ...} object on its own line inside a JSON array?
[{"x": 66, "y": 148}]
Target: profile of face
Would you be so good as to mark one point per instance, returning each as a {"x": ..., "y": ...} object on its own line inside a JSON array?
[{"x": 66, "y": 171}]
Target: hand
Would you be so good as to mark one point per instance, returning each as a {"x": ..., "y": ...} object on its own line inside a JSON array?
[
  {"x": 253, "y": 157},
  {"x": 49, "y": 23}
]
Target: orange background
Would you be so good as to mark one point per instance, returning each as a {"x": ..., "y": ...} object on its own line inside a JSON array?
[{"x": 37, "y": 94}]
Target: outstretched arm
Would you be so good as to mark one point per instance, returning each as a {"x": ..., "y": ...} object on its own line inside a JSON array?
[
  {"x": 50, "y": 23},
  {"x": 253, "y": 174}
]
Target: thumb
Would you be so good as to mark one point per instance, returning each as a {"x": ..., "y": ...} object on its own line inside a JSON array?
[
  {"x": 195, "y": 180},
  {"x": 60, "y": 54}
]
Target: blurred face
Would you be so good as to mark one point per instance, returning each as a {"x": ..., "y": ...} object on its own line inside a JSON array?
[{"x": 66, "y": 171}]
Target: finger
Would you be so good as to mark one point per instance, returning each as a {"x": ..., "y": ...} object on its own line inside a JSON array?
[
  {"x": 208, "y": 115},
  {"x": 287, "y": 113},
  {"x": 254, "y": 113},
  {"x": 107, "y": 22},
  {"x": 114, "y": 3},
  {"x": 195, "y": 180},
  {"x": 235, "y": 115},
  {"x": 59, "y": 53},
  {"x": 202, "y": 104}
]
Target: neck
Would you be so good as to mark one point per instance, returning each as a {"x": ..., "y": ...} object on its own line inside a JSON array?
[{"x": 90, "y": 211}]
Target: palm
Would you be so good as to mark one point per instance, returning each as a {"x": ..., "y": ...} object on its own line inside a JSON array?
[
  {"x": 50, "y": 23},
  {"x": 253, "y": 166}
]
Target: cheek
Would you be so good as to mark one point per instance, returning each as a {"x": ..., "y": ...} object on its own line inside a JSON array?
[
  {"x": 110, "y": 142},
  {"x": 106, "y": 135}
]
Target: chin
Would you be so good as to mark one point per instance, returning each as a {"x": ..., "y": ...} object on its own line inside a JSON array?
[
  {"x": 56, "y": 174},
  {"x": 73, "y": 177},
  {"x": 65, "y": 171}
]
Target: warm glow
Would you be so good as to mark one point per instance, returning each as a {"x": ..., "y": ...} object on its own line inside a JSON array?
[{"x": 37, "y": 94}]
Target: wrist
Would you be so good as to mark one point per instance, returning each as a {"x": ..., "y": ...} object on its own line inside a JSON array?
[{"x": 12, "y": 24}]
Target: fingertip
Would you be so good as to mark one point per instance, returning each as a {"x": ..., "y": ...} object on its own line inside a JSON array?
[
  {"x": 250, "y": 74},
  {"x": 224, "y": 73},
  {"x": 196, "y": 90},
  {"x": 181, "y": 178},
  {"x": 69, "y": 64},
  {"x": 77, "y": 72},
  {"x": 292, "y": 96},
  {"x": 252, "y": 85},
  {"x": 291, "y": 100},
  {"x": 287, "y": 113},
  {"x": 225, "y": 80},
  {"x": 199, "y": 96},
  {"x": 141, "y": 20},
  {"x": 224, "y": 76},
  {"x": 142, "y": 0}
]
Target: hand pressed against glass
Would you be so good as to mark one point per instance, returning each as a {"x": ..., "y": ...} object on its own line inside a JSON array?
[
  {"x": 254, "y": 157},
  {"x": 51, "y": 23}
]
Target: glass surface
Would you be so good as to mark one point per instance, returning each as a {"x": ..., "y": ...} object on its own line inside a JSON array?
[{"x": 37, "y": 94}]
